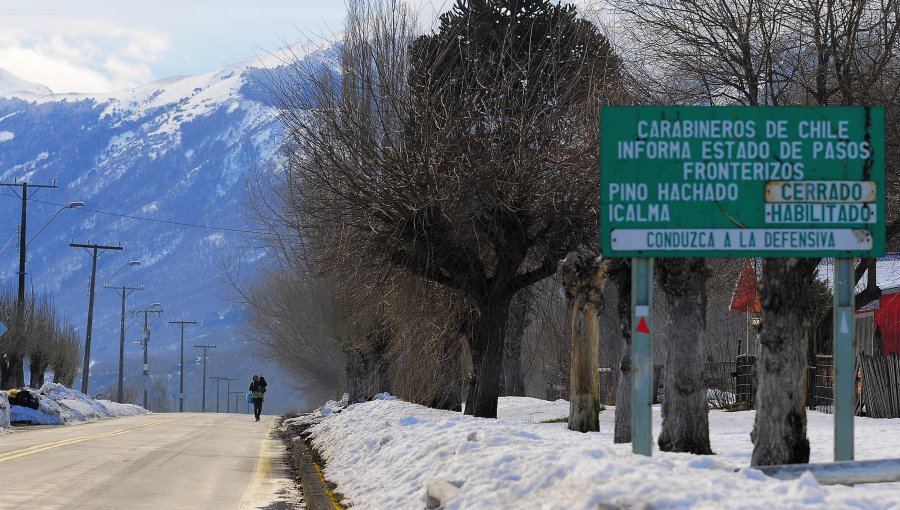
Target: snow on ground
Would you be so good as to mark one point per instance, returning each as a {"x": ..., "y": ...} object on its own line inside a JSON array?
[
  {"x": 63, "y": 406},
  {"x": 381, "y": 454},
  {"x": 4, "y": 412}
]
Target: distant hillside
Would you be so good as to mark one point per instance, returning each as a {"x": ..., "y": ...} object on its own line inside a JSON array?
[{"x": 178, "y": 153}]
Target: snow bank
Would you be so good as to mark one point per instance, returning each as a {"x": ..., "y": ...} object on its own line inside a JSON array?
[
  {"x": 383, "y": 454},
  {"x": 4, "y": 412},
  {"x": 62, "y": 406}
]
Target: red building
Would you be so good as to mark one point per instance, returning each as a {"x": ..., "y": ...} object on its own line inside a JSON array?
[{"x": 887, "y": 321}]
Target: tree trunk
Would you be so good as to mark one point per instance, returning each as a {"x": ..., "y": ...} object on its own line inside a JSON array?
[
  {"x": 37, "y": 367},
  {"x": 620, "y": 273},
  {"x": 486, "y": 344},
  {"x": 685, "y": 424},
  {"x": 19, "y": 371},
  {"x": 779, "y": 432},
  {"x": 513, "y": 377},
  {"x": 14, "y": 376},
  {"x": 4, "y": 374},
  {"x": 583, "y": 280}
]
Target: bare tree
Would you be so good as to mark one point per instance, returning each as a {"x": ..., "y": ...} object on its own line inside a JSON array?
[
  {"x": 300, "y": 323},
  {"x": 468, "y": 162},
  {"x": 160, "y": 400},
  {"x": 67, "y": 354},
  {"x": 41, "y": 342}
]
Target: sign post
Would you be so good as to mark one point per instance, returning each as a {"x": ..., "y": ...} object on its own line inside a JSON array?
[
  {"x": 743, "y": 182},
  {"x": 844, "y": 359},
  {"x": 641, "y": 355}
]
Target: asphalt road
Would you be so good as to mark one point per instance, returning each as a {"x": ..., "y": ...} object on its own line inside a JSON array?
[{"x": 158, "y": 461}]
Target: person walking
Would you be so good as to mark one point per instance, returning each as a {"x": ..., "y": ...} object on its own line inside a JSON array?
[{"x": 257, "y": 392}]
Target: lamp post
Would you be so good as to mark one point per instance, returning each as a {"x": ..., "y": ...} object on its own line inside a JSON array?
[
  {"x": 125, "y": 292},
  {"x": 205, "y": 348},
  {"x": 98, "y": 249},
  {"x": 154, "y": 308},
  {"x": 181, "y": 365},
  {"x": 17, "y": 371}
]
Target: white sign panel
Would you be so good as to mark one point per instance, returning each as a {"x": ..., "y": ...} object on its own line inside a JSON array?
[
  {"x": 821, "y": 192},
  {"x": 741, "y": 239}
]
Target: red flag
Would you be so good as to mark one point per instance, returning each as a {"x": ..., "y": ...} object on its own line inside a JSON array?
[{"x": 746, "y": 297}]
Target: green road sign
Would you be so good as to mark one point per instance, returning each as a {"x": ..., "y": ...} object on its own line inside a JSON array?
[{"x": 742, "y": 181}]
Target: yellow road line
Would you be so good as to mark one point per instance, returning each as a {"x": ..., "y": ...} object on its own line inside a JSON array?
[
  {"x": 257, "y": 489},
  {"x": 15, "y": 454}
]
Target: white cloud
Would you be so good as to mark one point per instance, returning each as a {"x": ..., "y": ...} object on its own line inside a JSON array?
[{"x": 92, "y": 55}]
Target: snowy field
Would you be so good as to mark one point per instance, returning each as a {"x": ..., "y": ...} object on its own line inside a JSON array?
[
  {"x": 63, "y": 406},
  {"x": 381, "y": 454}
]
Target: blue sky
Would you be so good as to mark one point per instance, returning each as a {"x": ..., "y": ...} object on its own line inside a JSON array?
[{"x": 105, "y": 45}]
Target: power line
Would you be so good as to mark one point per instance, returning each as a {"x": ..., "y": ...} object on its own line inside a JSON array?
[{"x": 141, "y": 218}]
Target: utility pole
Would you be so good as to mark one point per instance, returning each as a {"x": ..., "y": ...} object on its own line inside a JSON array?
[
  {"x": 145, "y": 341},
  {"x": 218, "y": 379},
  {"x": 236, "y": 395},
  {"x": 205, "y": 349},
  {"x": 98, "y": 249},
  {"x": 16, "y": 366},
  {"x": 227, "y": 391},
  {"x": 125, "y": 291},
  {"x": 181, "y": 365}
]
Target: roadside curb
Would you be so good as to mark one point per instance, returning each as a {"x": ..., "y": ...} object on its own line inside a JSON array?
[{"x": 316, "y": 491}]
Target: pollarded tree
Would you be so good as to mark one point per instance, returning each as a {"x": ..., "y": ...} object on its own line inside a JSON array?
[
  {"x": 65, "y": 361},
  {"x": 509, "y": 92},
  {"x": 471, "y": 162},
  {"x": 46, "y": 328}
]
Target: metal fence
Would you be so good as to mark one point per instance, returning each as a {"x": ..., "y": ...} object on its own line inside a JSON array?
[{"x": 823, "y": 393}]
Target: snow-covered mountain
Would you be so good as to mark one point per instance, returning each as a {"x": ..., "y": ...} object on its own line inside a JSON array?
[
  {"x": 176, "y": 153},
  {"x": 12, "y": 85}
]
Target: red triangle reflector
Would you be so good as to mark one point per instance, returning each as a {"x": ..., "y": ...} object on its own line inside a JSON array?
[{"x": 642, "y": 327}]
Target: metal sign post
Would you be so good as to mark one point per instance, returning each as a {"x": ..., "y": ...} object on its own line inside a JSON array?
[
  {"x": 739, "y": 181},
  {"x": 844, "y": 359},
  {"x": 641, "y": 355}
]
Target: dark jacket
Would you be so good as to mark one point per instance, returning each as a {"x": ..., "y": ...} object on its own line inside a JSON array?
[{"x": 258, "y": 389}]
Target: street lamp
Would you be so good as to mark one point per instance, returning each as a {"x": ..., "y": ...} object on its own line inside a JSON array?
[
  {"x": 72, "y": 205},
  {"x": 125, "y": 291},
  {"x": 154, "y": 308},
  {"x": 131, "y": 263}
]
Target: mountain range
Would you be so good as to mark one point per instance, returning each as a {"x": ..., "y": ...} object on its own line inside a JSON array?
[{"x": 163, "y": 170}]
